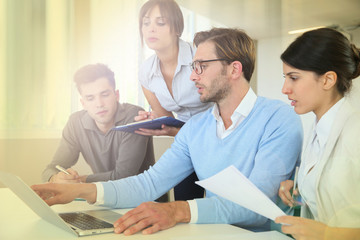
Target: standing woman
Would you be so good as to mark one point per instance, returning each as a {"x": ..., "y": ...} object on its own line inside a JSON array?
[
  {"x": 319, "y": 67},
  {"x": 165, "y": 76}
]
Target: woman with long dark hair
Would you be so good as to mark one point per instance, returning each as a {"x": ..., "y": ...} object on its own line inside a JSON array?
[{"x": 319, "y": 67}]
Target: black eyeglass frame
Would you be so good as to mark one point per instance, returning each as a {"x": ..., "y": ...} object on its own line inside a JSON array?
[{"x": 193, "y": 64}]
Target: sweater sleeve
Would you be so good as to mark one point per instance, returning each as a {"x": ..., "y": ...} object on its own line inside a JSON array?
[
  {"x": 67, "y": 153},
  {"x": 173, "y": 166},
  {"x": 278, "y": 151}
]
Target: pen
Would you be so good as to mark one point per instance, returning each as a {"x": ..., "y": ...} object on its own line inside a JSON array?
[
  {"x": 295, "y": 180},
  {"x": 79, "y": 199},
  {"x": 60, "y": 168}
]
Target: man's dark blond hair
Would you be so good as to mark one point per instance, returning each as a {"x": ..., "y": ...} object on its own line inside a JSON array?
[{"x": 232, "y": 45}]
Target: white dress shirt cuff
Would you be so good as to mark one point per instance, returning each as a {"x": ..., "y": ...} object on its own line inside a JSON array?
[
  {"x": 99, "y": 194},
  {"x": 193, "y": 211}
]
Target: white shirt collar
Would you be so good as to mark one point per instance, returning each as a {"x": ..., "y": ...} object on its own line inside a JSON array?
[
  {"x": 240, "y": 113},
  {"x": 324, "y": 125},
  {"x": 243, "y": 109},
  {"x": 247, "y": 104}
]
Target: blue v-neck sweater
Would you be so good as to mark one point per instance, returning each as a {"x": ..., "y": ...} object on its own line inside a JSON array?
[{"x": 264, "y": 147}]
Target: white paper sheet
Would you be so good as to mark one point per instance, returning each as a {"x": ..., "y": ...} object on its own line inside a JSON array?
[{"x": 234, "y": 186}]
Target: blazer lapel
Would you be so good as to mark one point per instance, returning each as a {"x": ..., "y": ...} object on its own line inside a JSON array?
[{"x": 344, "y": 112}]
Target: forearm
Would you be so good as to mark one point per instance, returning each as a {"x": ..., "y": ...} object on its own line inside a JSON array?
[
  {"x": 149, "y": 185},
  {"x": 334, "y": 233},
  {"x": 66, "y": 156},
  {"x": 155, "y": 104},
  {"x": 141, "y": 188}
]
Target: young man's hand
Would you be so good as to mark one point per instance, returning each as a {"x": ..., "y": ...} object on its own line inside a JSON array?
[{"x": 61, "y": 177}]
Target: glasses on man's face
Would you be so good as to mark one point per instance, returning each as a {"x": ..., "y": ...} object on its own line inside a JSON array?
[{"x": 198, "y": 66}]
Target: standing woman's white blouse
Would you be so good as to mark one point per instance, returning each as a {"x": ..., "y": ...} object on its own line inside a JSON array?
[
  {"x": 185, "y": 101},
  {"x": 309, "y": 167}
]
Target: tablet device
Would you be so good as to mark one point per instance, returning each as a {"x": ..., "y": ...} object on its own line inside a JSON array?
[{"x": 150, "y": 124}]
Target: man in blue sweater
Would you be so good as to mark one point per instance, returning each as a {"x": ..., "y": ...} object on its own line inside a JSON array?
[{"x": 261, "y": 137}]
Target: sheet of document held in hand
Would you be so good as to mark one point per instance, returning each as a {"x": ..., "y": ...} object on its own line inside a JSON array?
[{"x": 231, "y": 184}]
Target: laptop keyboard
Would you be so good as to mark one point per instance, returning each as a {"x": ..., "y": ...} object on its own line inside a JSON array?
[{"x": 84, "y": 221}]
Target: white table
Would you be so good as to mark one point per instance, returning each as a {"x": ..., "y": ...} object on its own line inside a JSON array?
[{"x": 18, "y": 221}]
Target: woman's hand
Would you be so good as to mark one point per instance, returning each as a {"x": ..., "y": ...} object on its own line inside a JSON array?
[
  {"x": 143, "y": 115},
  {"x": 164, "y": 131},
  {"x": 284, "y": 192},
  {"x": 308, "y": 229},
  {"x": 302, "y": 228}
]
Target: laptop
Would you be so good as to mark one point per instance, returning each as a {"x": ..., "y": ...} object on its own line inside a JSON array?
[{"x": 80, "y": 223}]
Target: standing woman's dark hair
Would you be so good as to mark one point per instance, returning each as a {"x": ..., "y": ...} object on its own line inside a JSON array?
[
  {"x": 324, "y": 50},
  {"x": 168, "y": 9}
]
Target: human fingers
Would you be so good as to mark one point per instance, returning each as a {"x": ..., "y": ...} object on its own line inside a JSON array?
[
  {"x": 145, "y": 215},
  {"x": 290, "y": 225},
  {"x": 139, "y": 118},
  {"x": 73, "y": 172},
  {"x": 289, "y": 229},
  {"x": 149, "y": 132},
  {"x": 65, "y": 178},
  {"x": 148, "y": 226},
  {"x": 61, "y": 198},
  {"x": 150, "y": 217},
  {"x": 52, "y": 201},
  {"x": 286, "y": 226},
  {"x": 142, "y": 115},
  {"x": 45, "y": 191},
  {"x": 129, "y": 219},
  {"x": 169, "y": 131},
  {"x": 153, "y": 115},
  {"x": 140, "y": 225},
  {"x": 125, "y": 216},
  {"x": 288, "y": 220},
  {"x": 164, "y": 131},
  {"x": 44, "y": 195},
  {"x": 144, "y": 132},
  {"x": 71, "y": 181},
  {"x": 281, "y": 219},
  {"x": 283, "y": 196},
  {"x": 43, "y": 188},
  {"x": 152, "y": 229},
  {"x": 284, "y": 192},
  {"x": 55, "y": 193},
  {"x": 289, "y": 198}
]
